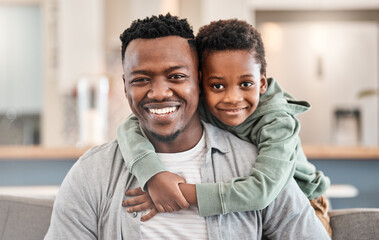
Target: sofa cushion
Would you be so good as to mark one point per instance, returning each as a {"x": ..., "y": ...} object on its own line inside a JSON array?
[
  {"x": 24, "y": 217},
  {"x": 359, "y": 223}
]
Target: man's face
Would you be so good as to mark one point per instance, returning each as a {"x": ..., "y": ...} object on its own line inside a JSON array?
[
  {"x": 232, "y": 84},
  {"x": 161, "y": 85}
]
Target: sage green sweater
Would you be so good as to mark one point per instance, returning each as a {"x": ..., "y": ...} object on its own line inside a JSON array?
[{"x": 273, "y": 128}]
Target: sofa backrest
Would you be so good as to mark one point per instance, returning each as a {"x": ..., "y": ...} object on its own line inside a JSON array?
[
  {"x": 29, "y": 218},
  {"x": 24, "y": 217},
  {"x": 355, "y": 223}
]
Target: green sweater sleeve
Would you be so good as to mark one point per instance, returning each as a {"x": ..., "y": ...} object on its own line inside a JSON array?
[
  {"x": 137, "y": 151},
  {"x": 277, "y": 140}
]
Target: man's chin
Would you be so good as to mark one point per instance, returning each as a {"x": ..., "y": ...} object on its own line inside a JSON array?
[{"x": 165, "y": 138}]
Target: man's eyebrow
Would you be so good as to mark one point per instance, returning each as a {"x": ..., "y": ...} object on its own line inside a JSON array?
[
  {"x": 170, "y": 69},
  {"x": 145, "y": 72}
]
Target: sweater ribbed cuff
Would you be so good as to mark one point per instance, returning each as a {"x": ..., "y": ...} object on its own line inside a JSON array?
[
  {"x": 145, "y": 168},
  {"x": 208, "y": 199}
]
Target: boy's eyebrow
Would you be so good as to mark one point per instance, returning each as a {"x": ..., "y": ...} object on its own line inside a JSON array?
[
  {"x": 215, "y": 77},
  {"x": 221, "y": 78},
  {"x": 247, "y": 75}
]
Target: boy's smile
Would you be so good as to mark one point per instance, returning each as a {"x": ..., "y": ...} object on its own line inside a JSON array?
[{"x": 232, "y": 84}]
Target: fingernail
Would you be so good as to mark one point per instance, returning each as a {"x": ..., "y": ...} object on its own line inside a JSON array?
[{"x": 128, "y": 210}]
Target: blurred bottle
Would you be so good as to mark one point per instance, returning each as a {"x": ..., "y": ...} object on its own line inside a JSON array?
[
  {"x": 92, "y": 110},
  {"x": 347, "y": 127}
]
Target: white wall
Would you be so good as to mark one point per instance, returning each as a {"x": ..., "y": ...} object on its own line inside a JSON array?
[
  {"x": 80, "y": 41},
  {"x": 21, "y": 59},
  {"x": 314, "y": 4},
  {"x": 346, "y": 52},
  {"x": 86, "y": 47}
]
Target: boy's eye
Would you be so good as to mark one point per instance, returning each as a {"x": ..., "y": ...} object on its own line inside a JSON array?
[
  {"x": 218, "y": 86},
  {"x": 246, "y": 84}
]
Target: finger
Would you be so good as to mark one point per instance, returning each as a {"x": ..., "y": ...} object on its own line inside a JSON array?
[
  {"x": 150, "y": 215},
  {"x": 135, "y": 200},
  {"x": 140, "y": 207},
  {"x": 175, "y": 206},
  {"x": 182, "y": 202},
  {"x": 134, "y": 192},
  {"x": 160, "y": 208},
  {"x": 168, "y": 208}
]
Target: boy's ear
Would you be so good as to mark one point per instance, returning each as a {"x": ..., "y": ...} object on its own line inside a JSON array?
[{"x": 264, "y": 84}]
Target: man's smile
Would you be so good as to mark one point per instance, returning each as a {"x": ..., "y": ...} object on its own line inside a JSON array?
[{"x": 162, "y": 111}]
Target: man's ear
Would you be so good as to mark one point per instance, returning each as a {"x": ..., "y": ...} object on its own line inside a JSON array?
[
  {"x": 200, "y": 75},
  {"x": 264, "y": 84},
  {"x": 123, "y": 79}
]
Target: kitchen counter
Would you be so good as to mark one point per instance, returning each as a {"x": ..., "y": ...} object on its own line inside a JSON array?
[
  {"x": 40, "y": 153},
  {"x": 50, "y": 154},
  {"x": 339, "y": 152},
  {"x": 353, "y": 171}
]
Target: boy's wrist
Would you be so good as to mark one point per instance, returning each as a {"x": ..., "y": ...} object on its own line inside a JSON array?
[
  {"x": 146, "y": 168},
  {"x": 189, "y": 192}
]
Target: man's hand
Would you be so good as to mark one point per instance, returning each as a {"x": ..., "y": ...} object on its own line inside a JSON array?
[
  {"x": 164, "y": 190},
  {"x": 139, "y": 203}
]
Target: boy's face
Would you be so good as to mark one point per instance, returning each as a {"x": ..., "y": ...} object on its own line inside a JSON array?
[{"x": 232, "y": 84}]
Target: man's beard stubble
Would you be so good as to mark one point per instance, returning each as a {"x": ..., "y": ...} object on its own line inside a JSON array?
[{"x": 169, "y": 138}]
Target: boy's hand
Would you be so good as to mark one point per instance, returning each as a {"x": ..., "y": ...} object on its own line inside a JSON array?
[
  {"x": 139, "y": 203},
  {"x": 164, "y": 190}
]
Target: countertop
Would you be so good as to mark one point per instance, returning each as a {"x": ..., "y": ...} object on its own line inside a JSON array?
[
  {"x": 40, "y": 153},
  {"x": 72, "y": 153}
]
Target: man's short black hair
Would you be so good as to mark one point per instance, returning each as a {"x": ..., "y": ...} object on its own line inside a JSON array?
[
  {"x": 231, "y": 34},
  {"x": 156, "y": 27}
]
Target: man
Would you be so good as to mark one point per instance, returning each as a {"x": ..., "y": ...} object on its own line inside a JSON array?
[{"x": 161, "y": 83}]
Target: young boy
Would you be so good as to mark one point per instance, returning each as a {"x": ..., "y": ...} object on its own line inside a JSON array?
[{"x": 236, "y": 97}]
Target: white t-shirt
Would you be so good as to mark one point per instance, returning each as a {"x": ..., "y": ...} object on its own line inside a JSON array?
[{"x": 183, "y": 224}]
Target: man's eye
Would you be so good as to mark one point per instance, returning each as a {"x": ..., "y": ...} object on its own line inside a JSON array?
[
  {"x": 140, "y": 81},
  {"x": 246, "y": 84},
  {"x": 177, "y": 77},
  {"x": 218, "y": 86}
]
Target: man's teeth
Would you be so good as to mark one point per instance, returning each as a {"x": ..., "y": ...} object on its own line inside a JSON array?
[{"x": 162, "y": 110}]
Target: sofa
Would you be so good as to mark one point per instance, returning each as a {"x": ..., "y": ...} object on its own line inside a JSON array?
[
  {"x": 24, "y": 217},
  {"x": 29, "y": 218}
]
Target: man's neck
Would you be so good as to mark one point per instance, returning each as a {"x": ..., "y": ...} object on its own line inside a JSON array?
[{"x": 186, "y": 140}]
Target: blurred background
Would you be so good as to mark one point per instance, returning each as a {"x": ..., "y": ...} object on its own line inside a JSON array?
[{"x": 61, "y": 87}]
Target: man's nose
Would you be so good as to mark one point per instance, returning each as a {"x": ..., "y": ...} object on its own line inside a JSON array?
[
  {"x": 233, "y": 96},
  {"x": 160, "y": 89}
]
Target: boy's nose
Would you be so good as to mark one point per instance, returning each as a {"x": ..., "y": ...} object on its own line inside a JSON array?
[
  {"x": 233, "y": 96},
  {"x": 159, "y": 90}
]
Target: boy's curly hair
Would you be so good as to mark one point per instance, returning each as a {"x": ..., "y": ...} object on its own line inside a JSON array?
[
  {"x": 155, "y": 27},
  {"x": 231, "y": 34}
]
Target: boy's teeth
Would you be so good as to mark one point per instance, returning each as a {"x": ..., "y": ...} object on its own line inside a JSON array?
[{"x": 162, "y": 110}]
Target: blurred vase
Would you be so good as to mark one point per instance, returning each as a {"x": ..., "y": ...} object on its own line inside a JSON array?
[{"x": 92, "y": 102}]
